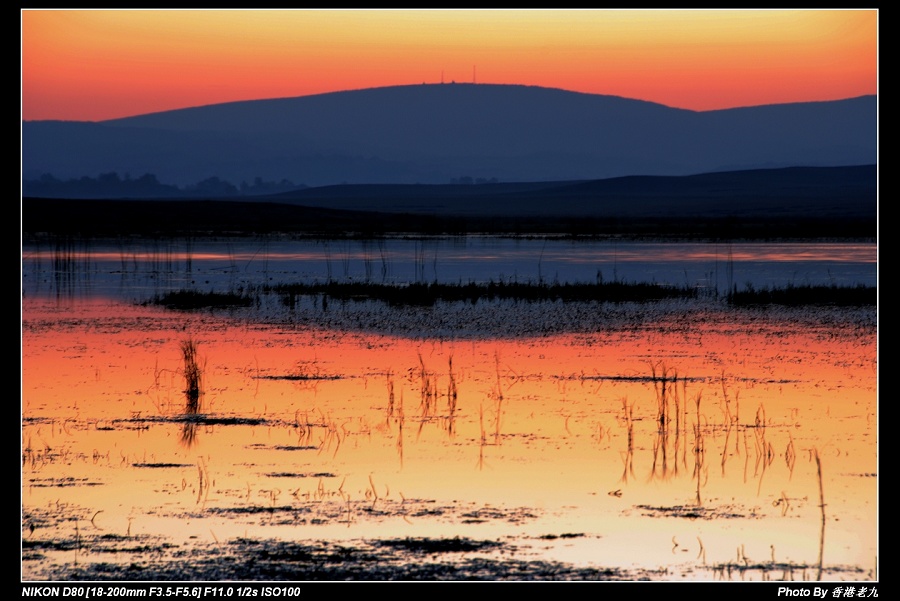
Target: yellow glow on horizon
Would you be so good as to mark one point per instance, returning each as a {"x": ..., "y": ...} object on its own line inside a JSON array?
[{"x": 96, "y": 64}]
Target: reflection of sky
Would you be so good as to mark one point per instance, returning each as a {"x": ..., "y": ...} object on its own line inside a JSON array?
[
  {"x": 103, "y": 381},
  {"x": 141, "y": 269}
]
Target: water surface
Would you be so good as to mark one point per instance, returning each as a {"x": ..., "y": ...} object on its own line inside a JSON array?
[{"x": 685, "y": 440}]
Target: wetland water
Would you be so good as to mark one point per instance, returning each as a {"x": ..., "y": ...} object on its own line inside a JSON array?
[{"x": 677, "y": 440}]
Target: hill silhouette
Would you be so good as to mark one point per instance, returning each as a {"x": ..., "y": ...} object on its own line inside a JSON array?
[
  {"x": 796, "y": 192},
  {"x": 799, "y": 202},
  {"x": 432, "y": 133}
]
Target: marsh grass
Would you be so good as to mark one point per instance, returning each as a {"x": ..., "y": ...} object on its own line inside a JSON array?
[
  {"x": 699, "y": 450},
  {"x": 193, "y": 389},
  {"x": 797, "y": 296},
  {"x": 452, "y": 391},
  {"x": 498, "y": 397},
  {"x": 428, "y": 391},
  {"x": 665, "y": 384},
  {"x": 427, "y": 294},
  {"x": 452, "y": 394},
  {"x": 187, "y": 300},
  {"x": 669, "y": 414}
]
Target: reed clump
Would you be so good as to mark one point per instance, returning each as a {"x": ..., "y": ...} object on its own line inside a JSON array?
[
  {"x": 428, "y": 392},
  {"x": 189, "y": 300},
  {"x": 699, "y": 449},
  {"x": 798, "y": 296},
  {"x": 427, "y": 294},
  {"x": 665, "y": 382},
  {"x": 193, "y": 389}
]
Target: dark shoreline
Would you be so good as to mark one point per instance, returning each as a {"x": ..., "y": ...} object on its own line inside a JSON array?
[{"x": 42, "y": 217}]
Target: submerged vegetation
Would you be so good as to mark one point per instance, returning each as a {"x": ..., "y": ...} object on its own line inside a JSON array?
[
  {"x": 793, "y": 295},
  {"x": 192, "y": 299},
  {"x": 427, "y": 294}
]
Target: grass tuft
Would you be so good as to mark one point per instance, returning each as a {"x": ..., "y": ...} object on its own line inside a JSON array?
[
  {"x": 192, "y": 376},
  {"x": 427, "y": 294},
  {"x": 187, "y": 300},
  {"x": 799, "y": 296}
]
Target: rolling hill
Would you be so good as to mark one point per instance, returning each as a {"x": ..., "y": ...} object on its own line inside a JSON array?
[
  {"x": 795, "y": 202},
  {"x": 430, "y": 134}
]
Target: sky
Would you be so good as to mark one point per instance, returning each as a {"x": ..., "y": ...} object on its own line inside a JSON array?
[{"x": 91, "y": 65}]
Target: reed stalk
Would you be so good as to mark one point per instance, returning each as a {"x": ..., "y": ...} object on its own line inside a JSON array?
[
  {"x": 192, "y": 376},
  {"x": 822, "y": 508},
  {"x": 390, "y": 387}
]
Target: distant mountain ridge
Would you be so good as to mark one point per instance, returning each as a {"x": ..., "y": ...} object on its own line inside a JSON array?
[
  {"x": 432, "y": 133},
  {"x": 788, "y": 203},
  {"x": 797, "y": 193}
]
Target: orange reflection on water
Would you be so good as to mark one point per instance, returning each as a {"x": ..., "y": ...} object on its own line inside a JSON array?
[{"x": 703, "y": 425}]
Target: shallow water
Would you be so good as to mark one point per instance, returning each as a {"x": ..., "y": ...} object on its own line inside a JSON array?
[
  {"x": 139, "y": 269},
  {"x": 564, "y": 446}
]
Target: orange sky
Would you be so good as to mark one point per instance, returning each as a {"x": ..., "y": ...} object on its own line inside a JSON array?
[{"x": 101, "y": 64}]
